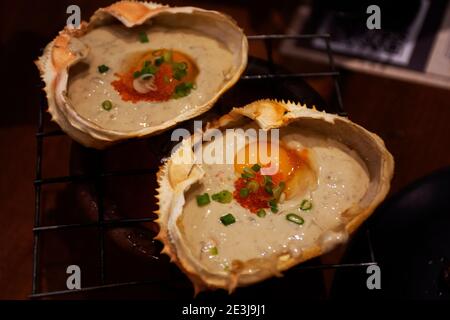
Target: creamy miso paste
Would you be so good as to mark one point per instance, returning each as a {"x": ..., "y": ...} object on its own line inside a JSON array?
[
  {"x": 342, "y": 181},
  {"x": 113, "y": 45}
]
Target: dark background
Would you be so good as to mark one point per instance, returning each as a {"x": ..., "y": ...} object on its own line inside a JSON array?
[{"x": 412, "y": 119}]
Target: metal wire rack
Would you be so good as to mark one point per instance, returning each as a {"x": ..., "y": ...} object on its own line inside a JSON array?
[{"x": 101, "y": 224}]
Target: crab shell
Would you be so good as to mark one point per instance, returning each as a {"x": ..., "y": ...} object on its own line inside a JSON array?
[
  {"x": 65, "y": 51},
  {"x": 175, "y": 179}
]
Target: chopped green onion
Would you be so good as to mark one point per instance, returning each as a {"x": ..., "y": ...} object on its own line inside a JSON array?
[
  {"x": 179, "y": 70},
  {"x": 277, "y": 191},
  {"x": 203, "y": 199},
  {"x": 261, "y": 213},
  {"x": 256, "y": 167},
  {"x": 253, "y": 186},
  {"x": 273, "y": 205},
  {"x": 267, "y": 180},
  {"x": 295, "y": 218},
  {"x": 179, "y": 74},
  {"x": 183, "y": 89},
  {"x": 227, "y": 219},
  {"x": 147, "y": 69},
  {"x": 167, "y": 56},
  {"x": 249, "y": 171},
  {"x": 268, "y": 189},
  {"x": 213, "y": 251},
  {"x": 103, "y": 68},
  {"x": 224, "y": 196},
  {"x": 158, "y": 61},
  {"x": 180, "y": 65},
  {"x": 143, "y": 38},
  {"x": 243, "y": 193},
  {"x": 246, "y": 176},
  {"x": 166, "y": 79},
  {"x": 107, "y": 105},
  {"x": 306, "y": 205}
]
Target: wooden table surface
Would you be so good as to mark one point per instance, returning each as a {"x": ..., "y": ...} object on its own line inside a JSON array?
[{"x": 412, "y": 119}]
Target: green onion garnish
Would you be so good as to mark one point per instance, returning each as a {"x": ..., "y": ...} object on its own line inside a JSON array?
[
  {"x": 273, "y": 205},
  {"x": 256, "y": 167},
  {"x": 179, "y": 70},
  {"x": 213, "y": 251},
  {"x": 277, "y": 191},
  {"x": 227, "y": 219},
  {"x": 103, "y": 68},
  {"x": 249, "y": 171},
  {"x": 167, "y": 56},
  {"x": 295, "y": 218},
  {"x": 306, "y": 205},
  {"x": 183, "y": 89},
  {"x": 181, "y": 65},
  {"x": 243, "y": 193},
  {"x": 268, "y": 189},
  {"x": 267, "y": 180},
  {"x": 147, "y": 69},
  {"x": 158, "y": 61},
  {"x": 261, "y": 213},
  {"x": 166, "y": 79},
  {"x": 143, "y": 38},
  {"x": 203, "y": 199},
  {"x": 107, "y": 105},
  {"x": 253, "y": 186},
  {"x": 224, "y": 196}
]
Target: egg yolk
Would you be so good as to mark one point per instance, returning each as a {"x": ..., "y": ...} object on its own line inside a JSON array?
[
  {"x": 157, "y": 75},
  {"x": 290, "y": 166}
]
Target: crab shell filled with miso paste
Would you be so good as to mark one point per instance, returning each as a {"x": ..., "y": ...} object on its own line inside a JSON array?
[
  {"x": 240, "y": 215},
  {"x": 138, "y": 68}
]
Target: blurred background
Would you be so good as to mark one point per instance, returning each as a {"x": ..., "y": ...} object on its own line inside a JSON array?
[{"x": 394, "y": 82}]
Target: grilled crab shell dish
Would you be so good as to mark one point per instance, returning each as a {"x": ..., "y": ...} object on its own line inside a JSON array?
[
  {"x": 138, "y": 68},
  {"x": 234, "y": 223}
]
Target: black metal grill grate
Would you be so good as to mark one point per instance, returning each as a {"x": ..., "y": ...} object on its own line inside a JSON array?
[{"x": 102, "y": 224}]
